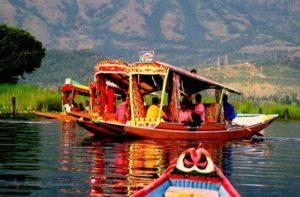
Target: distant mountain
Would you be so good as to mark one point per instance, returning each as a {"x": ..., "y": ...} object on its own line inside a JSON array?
[
  {"x": 186, "y": 32},
  {"x": 260, "y": 81}
]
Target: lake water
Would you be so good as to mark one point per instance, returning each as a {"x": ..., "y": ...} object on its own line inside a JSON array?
[{"x": 50, "y": 158}]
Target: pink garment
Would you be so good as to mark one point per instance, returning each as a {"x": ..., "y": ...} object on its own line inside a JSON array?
[
  {"x": 200, "y": 109},
  {"x": 121, "y": 112},
  {"x": 184, "y": 116}
]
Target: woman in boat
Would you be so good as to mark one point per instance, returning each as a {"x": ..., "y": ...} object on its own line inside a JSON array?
[
  {"x": 122, "y": 109},
  {"x": 229, "y": 113},
  {"x": 153, "y": 110},
  {"x": 199, "y": 107},
  {"x": 185, "y": 114}
]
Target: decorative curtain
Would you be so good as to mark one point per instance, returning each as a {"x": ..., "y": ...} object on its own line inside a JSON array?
[
  {"x": 218, "y": 94},
  {"x": 93, "y": 96},
  {"x": 110, "y": 100},
  {"x": 175, "y": 98},
  {"x": 138, "y": 108},
  {"x": 101, "y": 99}
]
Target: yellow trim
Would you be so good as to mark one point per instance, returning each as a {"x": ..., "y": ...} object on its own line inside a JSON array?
[
  {"x": 221, "y": 96},
  {"x": 220, "y": 105},
  {"x": 132, "y": 121},
  {"x": 163, "y": 95},
  {"x": 82, "y": 87}
]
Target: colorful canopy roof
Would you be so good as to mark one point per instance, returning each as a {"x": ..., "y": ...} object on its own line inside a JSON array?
[
  {"x": 152, "y": 79},
  {"x": 192, "y": 83},
  {"x": 111, "y": 66},
  {"x": 72, "y": 85},
  {"x": 195, "y": 83}
]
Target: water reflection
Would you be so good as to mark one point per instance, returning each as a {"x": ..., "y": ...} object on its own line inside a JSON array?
[
  {"x": 61, "y": 159},
  {"x": 19, "y": 151},
  {"x": 124, "y": 167}
]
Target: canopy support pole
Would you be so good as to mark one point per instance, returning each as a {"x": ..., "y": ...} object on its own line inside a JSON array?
[
  {"x": 132, "y": 122},
  {"x": 163, "y": 95},
  {"x": 220, "y": 105}
]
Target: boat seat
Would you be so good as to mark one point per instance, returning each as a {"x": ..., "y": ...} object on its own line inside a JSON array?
[
  {"x": 182, "y": 191},
  {"x": 194, "y": 184}
]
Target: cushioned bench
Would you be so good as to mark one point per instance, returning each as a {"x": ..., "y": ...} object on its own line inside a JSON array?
[{"x": 189, "y": 192}]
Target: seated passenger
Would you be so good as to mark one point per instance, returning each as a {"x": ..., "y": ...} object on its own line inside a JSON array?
[
  {"x": 87, "y": 107},
  {"x": 68, "y": 107},
  {"x": 74, "y": 107},
  {"x": 229, "y": 113},
  {"x": 153, "y": 110},
  {"x": 122, "y": 110},
  {"x": 196, "y": 119},
  {"x": 185, "y": 115},
  {"x": 199, "y": 108},
  {"x": 80, "y": 107}
]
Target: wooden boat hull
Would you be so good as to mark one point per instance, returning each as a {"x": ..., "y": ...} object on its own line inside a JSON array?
[
  {"x": 84, "y": 115},
  {"x": 158, "y": 187},
  {"x": 103, "y": 129},
  {"x": 176, "y": 131},
  {"x": 59, "y": 116},
  {"x": 179, "y": 179}
]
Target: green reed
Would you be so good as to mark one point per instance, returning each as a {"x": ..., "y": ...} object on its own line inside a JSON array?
[
  {"x": 293, "y": 111},
  {"x": 28, "y": 98}
]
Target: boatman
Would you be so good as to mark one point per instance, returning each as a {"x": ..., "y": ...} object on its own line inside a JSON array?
[{"x": 229, "y": 113}]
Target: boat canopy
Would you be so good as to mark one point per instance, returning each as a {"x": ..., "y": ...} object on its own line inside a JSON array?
[
  {"x": 117, "y": 71},
  {"x": 191, "y": 83},
  {"x": 74, "y": 86}
]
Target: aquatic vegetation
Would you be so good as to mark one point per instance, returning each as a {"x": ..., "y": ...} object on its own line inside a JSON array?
[
  {"x": 293, "y": 111},
  {"x": 28, "y": 98}
]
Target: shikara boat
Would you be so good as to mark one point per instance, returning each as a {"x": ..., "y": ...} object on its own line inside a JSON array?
[
  {"x": 70, "y": 90},
  {"x": 173, "y": 83},
  {"x": 193, "y": 174}
]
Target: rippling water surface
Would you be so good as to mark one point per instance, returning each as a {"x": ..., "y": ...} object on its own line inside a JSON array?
[{"x": 55, "y": 158}]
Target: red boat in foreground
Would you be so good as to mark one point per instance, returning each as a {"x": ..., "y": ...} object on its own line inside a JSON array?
[{"x": 193, "y": 174}]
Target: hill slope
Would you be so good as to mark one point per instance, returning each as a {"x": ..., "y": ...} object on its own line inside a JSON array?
[
  {"x": 257, "y": 81},
  {"x": 182, "y": 32}
]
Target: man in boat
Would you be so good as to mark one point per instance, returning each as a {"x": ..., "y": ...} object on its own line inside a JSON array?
[
  {"x": 193, "y": 71},
  {"x": 229, "y": 113},
  {"x": 80, "y": 107},
  {"x": 199, "y": 107},
  {"x": 153, "y": 110}
]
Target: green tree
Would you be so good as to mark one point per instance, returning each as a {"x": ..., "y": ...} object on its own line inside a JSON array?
[{"x": 20, "y": 53}]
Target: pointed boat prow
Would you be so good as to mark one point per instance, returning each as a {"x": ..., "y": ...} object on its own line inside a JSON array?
[{"x": 193, "y": 174}]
